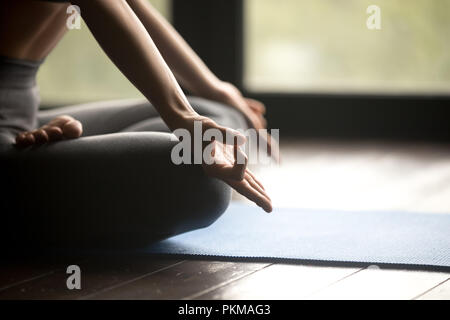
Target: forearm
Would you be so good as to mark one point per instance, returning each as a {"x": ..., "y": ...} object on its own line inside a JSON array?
[
  {"x": 127, "y": 43},
  {"x": 189, "y": 69}
]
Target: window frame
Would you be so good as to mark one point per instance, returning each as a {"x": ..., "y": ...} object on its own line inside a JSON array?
[{"x": 215, "y": 29}]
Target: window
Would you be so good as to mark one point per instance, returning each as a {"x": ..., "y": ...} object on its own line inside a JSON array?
[
  {"x": 326, "y": 46},
  {"x": 78, "y": 70}
]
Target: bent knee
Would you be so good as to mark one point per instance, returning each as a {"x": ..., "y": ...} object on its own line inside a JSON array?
[
  {"x": 200, "y": 205},
  {"x": 216, "y": 199}
]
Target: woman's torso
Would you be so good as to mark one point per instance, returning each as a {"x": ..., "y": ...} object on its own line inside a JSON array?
[{"x": 30, "y": 29}]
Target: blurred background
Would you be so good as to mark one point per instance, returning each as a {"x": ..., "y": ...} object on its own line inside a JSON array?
[
  {"x": 78, "y": 70},
  {"x": 323, "y": 45},
  {"x": 291, "y": 46}
]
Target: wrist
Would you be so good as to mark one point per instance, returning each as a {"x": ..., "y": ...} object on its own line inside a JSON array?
[
  {"x": 183, "y": 120},
  {"x": 221, "y": 90},
  {"x": 215, "y": 91}
]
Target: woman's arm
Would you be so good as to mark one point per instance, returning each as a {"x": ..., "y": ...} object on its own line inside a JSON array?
[
  {"x": 189, "y": 69},
  {"x": 125, "y": 40},
  {"x": 127, "y": 43}
]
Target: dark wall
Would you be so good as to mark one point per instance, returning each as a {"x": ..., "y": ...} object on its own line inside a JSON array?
[{"x": 214, "y": 29}]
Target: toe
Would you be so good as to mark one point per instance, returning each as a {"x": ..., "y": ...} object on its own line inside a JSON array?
[
  {"x": 72, "y": 129},
  {"x": 29, "y": 139},
  {"x": 60, "y": 121},
  {"x": 40, "y": 136},
  {"x": 53, "y": 133},
  {"x": 25, "y": 139},
  {"x": 21, "y": 139}
]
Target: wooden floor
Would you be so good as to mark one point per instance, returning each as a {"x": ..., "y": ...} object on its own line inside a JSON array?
[{"x": 314, "y": 174}]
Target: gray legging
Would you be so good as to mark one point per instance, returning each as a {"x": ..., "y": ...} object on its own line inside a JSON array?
[{"x": 115, "y": 186}]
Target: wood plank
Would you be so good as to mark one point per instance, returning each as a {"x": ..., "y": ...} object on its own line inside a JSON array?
[
  {"x": 13, "y": 275},
  {"x": 375, "y": 284},
  {"x": 182, "y": 281},
  {"x": 16, "y": 271},
  {"x": 441, "y": 292},
  {"x": 287, "y": 282},
  {"x": 96, "y": 275}
]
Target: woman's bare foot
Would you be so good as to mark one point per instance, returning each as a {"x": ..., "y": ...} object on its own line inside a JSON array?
[{"x": 63, "y": 127}]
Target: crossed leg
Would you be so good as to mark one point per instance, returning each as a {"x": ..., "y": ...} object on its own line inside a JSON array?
[
  {"x": 113, "y": 186},
  {"x": 137, "y": 115}
]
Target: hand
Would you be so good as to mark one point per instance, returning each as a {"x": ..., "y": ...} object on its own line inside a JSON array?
[
  {"x": 226, "y": 161},
  {"x": 253, "y": 111},
  {"x": 225, "y": 166}
]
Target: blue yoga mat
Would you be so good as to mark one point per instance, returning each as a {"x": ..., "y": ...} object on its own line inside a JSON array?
[{"x": 397, "y": 238}]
